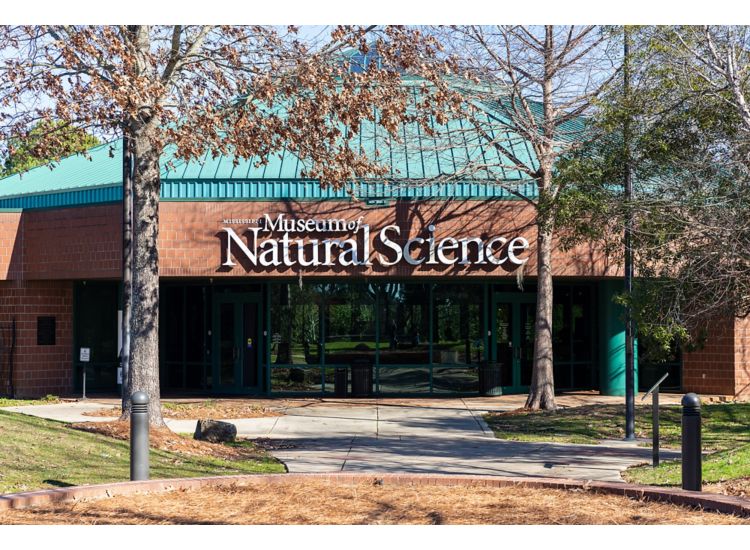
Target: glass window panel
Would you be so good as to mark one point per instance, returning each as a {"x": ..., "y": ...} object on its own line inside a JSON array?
[
  {"x": 96, "y": 328},
  {"x": 561, "y": 324},
  {"x": 403, "y": 380},
  {"x": 504, "y": 341},
  {"x": 195, "y": 324},
  {"x": 96, "y": 321},
  {"x": 171, "y": 323},
  {"x": 562, "y": 373},
  {"x": 581, "y": 324},
  {"x": 654, "y": 362},
  {"x": 194, "y": 373},
  {"x": 281, "y": 380},
  {"x": 349, "y": 323},
  {"x": 101, "y": 377},
  {"x": 404, "y": 324},
  {"x": 455, "y": 380},
  {"x": 457, "y": 321},
  {"x": 228, "y": 351},
  {"x": 295, "y": 324},
  {"x": 528, "y": 330},
  {"x": 296, "y": 379},
  {"x": 337, "y": 380},
  {"x": 583, "y": 376},
  {"x": 250, "y": 343},
  {"x": 174, "y": 375}
]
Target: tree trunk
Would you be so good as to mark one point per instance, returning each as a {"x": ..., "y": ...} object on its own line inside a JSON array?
[
  {"x": 144, "y": 354},
  {"x": 542, "y": 390},
  {"x": 127, "y": 263}
]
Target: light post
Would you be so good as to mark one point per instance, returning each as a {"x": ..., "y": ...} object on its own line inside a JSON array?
[{"x": 629, "y": 332}]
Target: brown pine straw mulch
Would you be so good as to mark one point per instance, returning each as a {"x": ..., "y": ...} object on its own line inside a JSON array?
[
  {"x": 367, "y": 502},
  {"x": 739, "y": 487},
  {"x": 166, "y": 440},
  {"x": 220, "y": 409}
]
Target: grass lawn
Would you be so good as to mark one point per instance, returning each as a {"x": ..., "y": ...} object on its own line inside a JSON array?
[
  {"x": 36, "y": 453},
  {"x": 717, "y": 467},
  {"x": 47, "y": 400},
  {"x": 726, "y": 435}
]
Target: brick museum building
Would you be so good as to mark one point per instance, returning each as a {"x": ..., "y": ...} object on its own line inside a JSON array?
[{"x": 271, "y": 285}]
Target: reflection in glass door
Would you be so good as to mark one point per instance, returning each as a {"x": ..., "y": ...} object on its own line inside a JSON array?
[
  {"x": 526, "y": 342},
  {"x": 504, "y": 342},
  {"x": 227, "y": 344},
  {"x": 513, "y": 339},
  {"x": 237, "y": 341},
  {"x": 250, "y": 343}
]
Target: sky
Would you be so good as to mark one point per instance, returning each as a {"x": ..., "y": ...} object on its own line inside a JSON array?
[{"x": 323, "y": 12}]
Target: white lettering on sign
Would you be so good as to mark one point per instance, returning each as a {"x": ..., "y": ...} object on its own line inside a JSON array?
[{"x": 262, "y": 248}]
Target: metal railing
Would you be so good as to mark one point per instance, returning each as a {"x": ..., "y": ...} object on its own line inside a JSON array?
[{"x": 654, "y": 393}]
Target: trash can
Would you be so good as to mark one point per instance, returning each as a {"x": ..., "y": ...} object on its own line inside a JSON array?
[
  {"x": 361, "y": 377},
  {"x": 340, "y": 382},
  {"x": 489, "y": 378}
]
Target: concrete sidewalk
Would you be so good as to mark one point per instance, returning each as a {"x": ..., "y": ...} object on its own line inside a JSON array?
[
  {"x": 382, "y": 435},
  {"x": 463, "y": 455}
]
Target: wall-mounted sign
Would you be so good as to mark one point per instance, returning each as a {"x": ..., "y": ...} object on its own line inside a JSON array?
[{"x": 283, "y": 241}]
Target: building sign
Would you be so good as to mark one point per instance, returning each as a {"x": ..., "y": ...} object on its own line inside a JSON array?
[{"x": 312, "y": 242}]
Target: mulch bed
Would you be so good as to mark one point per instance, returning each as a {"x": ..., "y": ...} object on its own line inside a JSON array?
[
  {"x": 166, "y": 440},
  {"x": 212, "y": 409},
  {"x": 734, "y": 487},
  {"x": 366, "y": 502}
]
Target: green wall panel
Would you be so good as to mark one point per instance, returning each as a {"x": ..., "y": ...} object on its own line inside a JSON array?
[{"x": 612, "y": 340}]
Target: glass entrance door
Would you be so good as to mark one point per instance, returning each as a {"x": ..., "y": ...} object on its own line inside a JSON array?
[
  {"x": 513, "y": 339},
  {"x": 502, "y": 350},
  {"x": 527, "y": 322},
  {"x": 237, "y": 344}
]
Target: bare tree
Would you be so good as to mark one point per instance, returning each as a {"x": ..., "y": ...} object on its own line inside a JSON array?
[
  {"x": 526, "y": 93},
  {"x": 714, "y": 61},
  {"x": 248, "y": 91}
]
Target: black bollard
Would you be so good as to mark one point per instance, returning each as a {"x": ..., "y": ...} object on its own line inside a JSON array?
[
  {"x": 691, "y": 443},
  {"x": 139, "y": 437},
  {"x": 655, "y": 427}
]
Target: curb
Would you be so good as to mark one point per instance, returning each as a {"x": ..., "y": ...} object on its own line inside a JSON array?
[{"x": 705, "y": 501}]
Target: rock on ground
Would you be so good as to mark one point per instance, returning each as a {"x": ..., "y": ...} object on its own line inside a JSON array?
[{"x": 215, "y": 431}]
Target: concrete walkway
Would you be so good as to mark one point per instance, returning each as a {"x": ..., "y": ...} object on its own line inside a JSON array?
[{"x": 382, "y": 435}]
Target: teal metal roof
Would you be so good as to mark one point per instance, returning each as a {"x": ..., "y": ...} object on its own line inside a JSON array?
[
  {"x": 421, "y": 167},
  {"x": 75, "y": 179}
]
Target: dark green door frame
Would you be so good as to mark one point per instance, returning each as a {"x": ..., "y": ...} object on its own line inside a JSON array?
[
  {"x": 514, "y": 301},
  {"x": 230, "y": 350}
]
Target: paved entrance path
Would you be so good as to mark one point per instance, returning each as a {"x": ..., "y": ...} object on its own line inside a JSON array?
[{"x": 390, "y": 435}]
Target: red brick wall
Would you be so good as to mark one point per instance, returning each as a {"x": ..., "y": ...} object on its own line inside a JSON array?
[
  {"x": 190, "y": 242},
  {"x": 73, "y": 243},
  {"x": 40, "y": 370},
  {"x": 84, "y": 243},
  {"x": 722, "y": 366},
  {"x": 742, "y": 358},
  {"x": 11, "y": 245}
]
